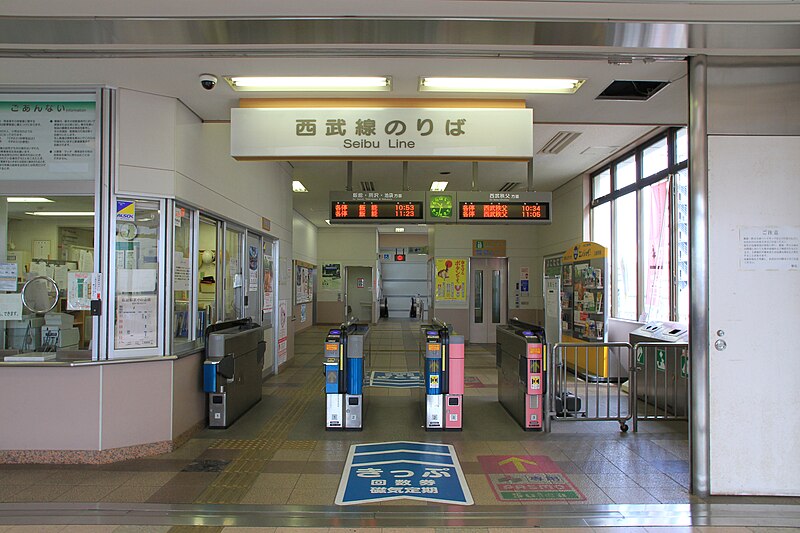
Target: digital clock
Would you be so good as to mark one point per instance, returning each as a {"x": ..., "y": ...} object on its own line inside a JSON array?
[
  {"x": 518, "y": 211},
  {"x": 376, "y": 210}
]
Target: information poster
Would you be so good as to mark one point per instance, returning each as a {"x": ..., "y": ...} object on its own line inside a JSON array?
[
  {"x": 269, "y": 270},
  {"x": 80, "y": 290},
  {"x": 182, "y": 273},
  {"x": 283, "y": 331},
  {"x": 332, "y": 276},
  {"x": 8, "y": 277},
  {"x": 136, "y": 322},
  {"x": 451, "y": 280},
  {"x": 11, "y": 306},
  {"x": 303, "y": 290},
  {"x": 252, "y": 269},
  {"x": 47, "y": 137}
]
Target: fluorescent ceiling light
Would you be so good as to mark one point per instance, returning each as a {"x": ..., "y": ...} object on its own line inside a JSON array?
[
  {"x": 27, "y": 200},
  {"x": 501, "y": 85},
  {"x": 439, "y": 186},
  {"x": 399, "y": 230},
  {"x": 60, "y": 213},
  {"x": 298, "y": 187},
  {"x": 311, "y": 83},
  {"x": 328, "y": 221}
]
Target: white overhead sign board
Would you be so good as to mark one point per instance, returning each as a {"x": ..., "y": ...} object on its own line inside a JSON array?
[{"x": 382, "y": 133}]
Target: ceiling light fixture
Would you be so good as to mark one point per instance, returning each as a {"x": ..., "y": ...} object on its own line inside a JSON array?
[
  {"x": 27, "y": 200},
  {"x": 502, "y": 85},
  {"x": 399, "y": 230},
  {"x": 328, "y": 221},
  {"x": 439, "y": 186},
  {"x": 60, "y": 213},
  {"x": 298, "y": 187},
  {"x": 310, "y": 83}
]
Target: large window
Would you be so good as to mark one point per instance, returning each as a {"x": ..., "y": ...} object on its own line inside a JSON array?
[{"x": 640, "y": 212}]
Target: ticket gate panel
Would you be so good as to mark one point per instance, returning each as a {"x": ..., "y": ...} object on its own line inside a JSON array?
[
  {"x": 353, "y": 411},
  {"x": 334, "y": 411},
  {"x": 434, "y": 411},
  {"x": 521, "y": 370}
]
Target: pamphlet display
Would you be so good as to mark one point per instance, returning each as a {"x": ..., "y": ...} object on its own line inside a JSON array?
[{"x": 584, "y": 316}]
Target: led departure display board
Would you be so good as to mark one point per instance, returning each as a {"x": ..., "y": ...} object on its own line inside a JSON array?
[
  {"x": 462, "y": 207},
  {"x": 505, "y": 207},
  {"x": 503, "y": 211},
  {"x": 376, "y": 210}
]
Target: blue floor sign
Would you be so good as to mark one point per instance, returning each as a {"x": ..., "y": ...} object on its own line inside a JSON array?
[
  {"x": 395, "y": 379},
  {"x": 394, "y": 470}
]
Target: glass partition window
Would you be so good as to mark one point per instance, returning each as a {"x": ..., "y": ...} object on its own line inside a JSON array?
[
  {"x": 639, "y": 210},
  {"x": 234, "y": 279},
  {"x": 53, "y": 238},
  {"x": 136, "y": 286},
  {"x": 183, "y": 332},
  {"x": 207, "y": 277},
  {"x": 478, "y": 287}
]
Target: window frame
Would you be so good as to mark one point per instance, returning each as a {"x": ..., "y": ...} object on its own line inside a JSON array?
[{"x": 636, "y": 188}]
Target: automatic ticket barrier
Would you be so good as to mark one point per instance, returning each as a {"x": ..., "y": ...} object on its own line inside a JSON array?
[
  {"x": 521, "y": 372},
  {"x": 444, "y": 378},
  {"x": 232, "y": 369},
  {"x": 345, "y": 348}
]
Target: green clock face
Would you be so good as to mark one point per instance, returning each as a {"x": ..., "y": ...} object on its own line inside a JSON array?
[{"x": 441, "y": 206}]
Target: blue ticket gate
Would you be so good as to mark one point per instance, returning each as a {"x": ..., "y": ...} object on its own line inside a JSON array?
[{"x": 343, "y": 362}]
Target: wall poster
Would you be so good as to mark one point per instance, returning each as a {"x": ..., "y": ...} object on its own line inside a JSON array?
[
  {"x": 451, "y": 280},
  {"x": 303, "y": 283},
  {"x": 331, "y": 276},
  {"x": 283, "y": 331},
  {"x": 269, "y": 273}
]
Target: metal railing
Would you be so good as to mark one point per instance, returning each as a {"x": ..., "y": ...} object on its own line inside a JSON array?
[
  {"x": 585, "y": 382},
  {"x": 660, "y": 381}
]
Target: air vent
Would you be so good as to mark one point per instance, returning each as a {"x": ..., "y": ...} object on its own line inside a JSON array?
[
  {"x": 509, "y": 186},
  {"x": 631, "y": 90},
  {"x": 367, "y": 186},
  {"x": 560, "y": 140}
]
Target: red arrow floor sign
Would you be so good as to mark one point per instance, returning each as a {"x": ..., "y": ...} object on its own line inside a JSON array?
[{"x": 528, "y": 478}]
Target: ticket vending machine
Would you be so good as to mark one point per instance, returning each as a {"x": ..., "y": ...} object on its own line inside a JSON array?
[
  {"x": 343, "y": 361},
  {"x": 444, "y": 378},
  {"x": 521, "y": 372}
]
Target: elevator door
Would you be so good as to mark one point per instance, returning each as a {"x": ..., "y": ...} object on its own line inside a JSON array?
[{"x": 488, "y": 298}]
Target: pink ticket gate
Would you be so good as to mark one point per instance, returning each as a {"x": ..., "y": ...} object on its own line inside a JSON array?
[{"x": 444, "y": 378}]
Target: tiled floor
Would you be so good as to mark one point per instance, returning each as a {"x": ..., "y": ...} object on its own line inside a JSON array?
[{"x": 278, "y": 454}]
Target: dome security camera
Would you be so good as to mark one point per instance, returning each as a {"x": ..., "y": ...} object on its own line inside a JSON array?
[{"x": 208, "y": 81}]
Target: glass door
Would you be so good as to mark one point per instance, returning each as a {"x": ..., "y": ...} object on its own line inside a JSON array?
[
  {"x": 233, "y": 277},
  {"x": 254, "y": 278}
]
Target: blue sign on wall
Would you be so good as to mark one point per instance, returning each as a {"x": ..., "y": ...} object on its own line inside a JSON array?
[
  {"x": 395, "y": 470},
  {"x": 395, "y": 379}
]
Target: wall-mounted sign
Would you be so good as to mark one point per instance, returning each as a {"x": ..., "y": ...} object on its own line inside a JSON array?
[
  {"x": 505, "y": 207},
  {"x": 382, "y": 133},
  {"x": 48, "y": 137},
  {"x": 489, "y": 248}
]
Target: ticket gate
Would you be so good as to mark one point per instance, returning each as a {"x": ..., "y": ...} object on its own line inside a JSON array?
[
  {"x": 345, "y": 348},
  {"x": 444, "y": 378},
  {"x": 521, "y": 372},
  {"x": 232, "y": 369}
]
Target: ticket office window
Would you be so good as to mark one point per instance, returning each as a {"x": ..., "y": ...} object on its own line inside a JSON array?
[
  {"x": 233, "y": 279},
  {"x": 53, "y": 237},
  {"x": 138, "y": 259},
  {"x": 185, "y": 274},
  {"x": 208, "y": 274}
]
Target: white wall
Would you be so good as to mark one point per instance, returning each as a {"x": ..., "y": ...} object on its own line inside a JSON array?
[
  {"x": 304, "y": 239},
  {"x": 350, "y": 246},
  {"x": 23, "y": 232}
]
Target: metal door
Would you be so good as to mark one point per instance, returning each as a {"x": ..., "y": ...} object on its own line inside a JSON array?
[
  {"x": 358, "y": 298},
  {"x": 488, "y": 298},
  {"x": 753, "y": 288}
]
